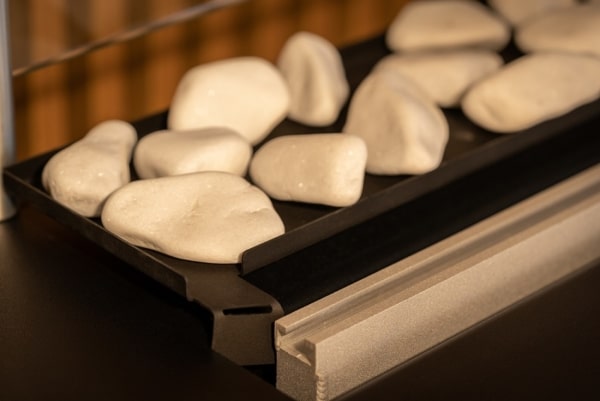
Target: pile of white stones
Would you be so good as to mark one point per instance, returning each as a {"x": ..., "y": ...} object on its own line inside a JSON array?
[{"x": 205, "y": 195}]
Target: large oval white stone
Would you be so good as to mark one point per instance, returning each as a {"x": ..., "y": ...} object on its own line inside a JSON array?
[
  {"x": 444, "y": 24},
  {"x": 325, "y": 169},
  {"x": 575, "y": 29},
  {"x": 519, "y": 11},
  {"x": 405, "y": 131},
  {"x": 167, "y": 152},
  {"x": 533, "y": 89},
  {"x": 445, "y": 75},
  {"x": 315, "y": 74},
  {"x": 210, "y": 217},
  {"x": 85, "y": 173},
  {"x": 246, "y": 94}
]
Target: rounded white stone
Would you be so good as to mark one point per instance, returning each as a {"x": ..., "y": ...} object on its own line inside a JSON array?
[
  {"x": 405, "y": 131},
  {"x": 519, "y": 11},
  {"x": 210, "y": 217},
  {"x": 167, "y": 152},
  {"x": 85, "y": 173},
  {"x": 574, "y": 29},
  {"x": 246, "y": 94},
  {"x": 445, "y": 75},
  {"x": 314, "y": 72},
  {"x": 533, "y": 89},
  {"x": 443, "y": 24},
  {"x": 324, "y": 169}
]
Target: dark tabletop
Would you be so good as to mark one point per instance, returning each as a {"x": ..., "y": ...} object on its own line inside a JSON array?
[{"x": 78, "y": 324}]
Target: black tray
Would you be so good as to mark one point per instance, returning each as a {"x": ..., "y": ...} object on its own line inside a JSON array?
[{"x": 243, "y": 307}]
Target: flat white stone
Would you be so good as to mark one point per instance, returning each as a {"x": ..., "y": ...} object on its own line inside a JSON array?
[
  {"x": 167, "y": 152},
  {"x": 574, "y": 29},
  {"x": 84, "y": 174},
  {"x": 315, "y": 75},
  {"x": 445, "y": 24},
  {"x": 533, "y": 89},
  {"x": 444, "y": 75},
  {"x": 519, "y": 11},
  {"x": 405, "y": 131},
  {"x": 246, "y": 94},
  {"x": 210, "y": 217},
  {"x": 326, "y": 169}
]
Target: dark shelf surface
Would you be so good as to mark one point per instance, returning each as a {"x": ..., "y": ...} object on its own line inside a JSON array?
[{"x": 78, "y": 324}]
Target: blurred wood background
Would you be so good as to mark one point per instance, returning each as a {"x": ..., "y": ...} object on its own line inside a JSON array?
[{"x": 58, "y": 104}]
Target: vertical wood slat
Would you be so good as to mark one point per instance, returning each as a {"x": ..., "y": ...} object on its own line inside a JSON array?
[
  {"x": 47, "y": 104},
  {"x": 58, "y": 104},
  {"x": 105, "y": 95},
  {"x": 169, "y": 61}
]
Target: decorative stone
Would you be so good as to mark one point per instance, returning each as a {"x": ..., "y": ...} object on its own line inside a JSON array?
[
  {"x": 325, "y": 169},
  {"x": 575, "y": 29},
  {"x": 246, "y": 94},
  {"x": 316, "y": 78},
  {"x": 405, "y": 131},
  {"x": 210, "y": 217},
  {"x": 519, "y": 11},
  {"x": 84, "y": 174},
  {"x": 444, "y": 76},
  {"x": 446, "y": 24},
  {"x": 166, "y": 152},
  {"x": 533, "y": 89}
]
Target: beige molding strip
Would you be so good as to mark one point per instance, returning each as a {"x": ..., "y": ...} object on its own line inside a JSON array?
[{"x": 343, "y": 340}]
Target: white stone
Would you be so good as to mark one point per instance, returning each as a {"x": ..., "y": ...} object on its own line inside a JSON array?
[
  {"x": 574, "y": 29},
  {"x": 519, "y": 11},
  {"x": 444, "y": 24},
  {"x": 326, "y": 169},
  {"x": 444, "y": 75},
  {"x": 85, "y": 173},
  {"x": 246, "y": 94},
  {"x": 533, "y": 89},
  {"x": 316, "y": 78},
  {"x": 167, "y": 152},
  {"x": 210, "y": 217},
  {"x": 405, "y": 131}
]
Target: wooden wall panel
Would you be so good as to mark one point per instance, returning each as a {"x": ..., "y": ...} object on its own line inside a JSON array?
[{"x": 58, "y": 104}]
